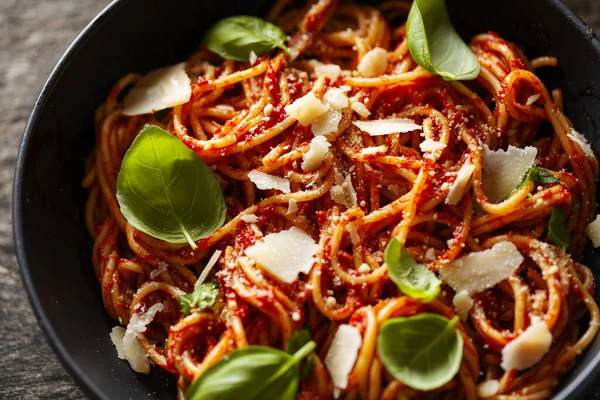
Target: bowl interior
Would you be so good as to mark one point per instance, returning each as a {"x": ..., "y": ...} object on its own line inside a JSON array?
[{"x": 53, "y": 247}]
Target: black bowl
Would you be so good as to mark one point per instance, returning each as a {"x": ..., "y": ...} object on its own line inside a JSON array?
[{"x": 52, "y": 245}]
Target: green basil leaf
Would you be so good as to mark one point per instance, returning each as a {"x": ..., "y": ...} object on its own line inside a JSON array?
[
  {"x": 295, "y": 343},
  {"x": 557, "y": 228},
  {"x": 435, "y": 45},
  {"x": 423, "y": 351},
  {"x": 254, "y": 372},
  {"x": 165, "y": 190},
  {"x": 236, "y": 37},
  {"x": 538, "y": 175},
  {"x": 542, "y": 175},
  {"x": 413, "y": 279},
  {"x": 202, "y": 298}
]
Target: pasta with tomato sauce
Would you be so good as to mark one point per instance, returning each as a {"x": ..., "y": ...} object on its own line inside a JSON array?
[{"x": 348, "y": 214}]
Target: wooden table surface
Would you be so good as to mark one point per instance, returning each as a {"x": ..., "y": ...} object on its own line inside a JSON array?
[{"x": 33, "y": 35}]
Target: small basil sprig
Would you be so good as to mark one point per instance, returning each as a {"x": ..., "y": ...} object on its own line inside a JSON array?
[
  {"x": 295, "y": 343},
  {"x": 236, "y": 37},
  {"x": 165, "y": 190},
  {"x": 423, "y": 351},
  {"x": 413, "y": 279},
  {"x": 435, "y": 45},
  {"x": 202, "y": 298},
  {"x": 537, "y": 175},
  {"x": 254, "y": 372},
  {"x": 557, "y": 228}
]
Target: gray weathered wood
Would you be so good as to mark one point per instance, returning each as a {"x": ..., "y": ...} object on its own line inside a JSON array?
[{"x": 33, "y": 35}]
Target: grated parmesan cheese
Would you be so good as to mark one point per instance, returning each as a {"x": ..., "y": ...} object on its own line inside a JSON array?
[
  {"x": 209, "y": 266},
  {"x": 316, "y": 154},
  {"x": 503, "y": 170},
  {"x": 528, "y": 348},
  {"x": 265, "y": 181},
  {"x": 342, "y": 355},
  {"x": 593, "y": 231},
  {"x": 381, "y": 127},
  {"x": 457, "y": 189},
  {"x": 280, "y": 259},
  {"x": 330, "y": 71},
  {"x": 468, "y": 273},
  {"x": 582, "y": 142},
  {"x": 374, "y": 63},
  {"x": 159, "y": 89},
  {"x": 306, "y": 109}
]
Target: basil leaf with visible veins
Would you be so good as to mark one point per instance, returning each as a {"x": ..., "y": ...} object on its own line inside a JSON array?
[
  {"x": 254, "y": 372},
  {"x": 165, "y": 190},
  {"x": 413, "y": 279},
  {"x": 423, "y": 351},
  {"x": 435, "y": 45},
  {"x": 236, "y": 37}
]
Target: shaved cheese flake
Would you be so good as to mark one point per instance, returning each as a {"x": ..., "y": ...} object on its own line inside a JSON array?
[
  {"x": 457, "y": 189},
  {"x": 342, "y": 355},
  {"x": 352, "y": 229},
  {"x": 528, "y": 348},
  {"x": 326, "y": 123},
  {"x": 159, "y": 89},
  {"x": 162, "y": 267},
  {"x": 430, "y": 254},
  {"x": 488, "y": 388},
  {"x": 336, "y": 98},
  {"x": 532, "y": 99},
  {"x": 252, "y": 57},
  {"x": 116, "y": 335},
  {"x": 376, "y": 150},
  {"x": 285, "y": 254},
  {"x": 349, "y": 189},
  {"x": 462, "y": 303},
  {"x": 265, "y": 181},
  {"x": 468, "y": 273},
  {"x": 360, "y": 109},
  {"x": 306, "y": 109},
  {"x": 381, "y": 127},
  {"x": 330, "y": 71},
  {"x": 316, "y": 154},
  {"x": 292, "y": 206},
  {"x": 249, "y": 218},
  {"x": 431, "y": 145},
  {"x": 209, "y": 266},
  {"x": 132, "y": 349},
  {"x": 593, "y": 231},
  {"x": 582, "y": 142},
  {"x": 503, "y": 170},
  {"x": 374, "y": 63}
]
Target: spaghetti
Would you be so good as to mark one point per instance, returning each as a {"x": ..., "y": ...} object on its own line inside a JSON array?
[{"x": 236, "y": 122}]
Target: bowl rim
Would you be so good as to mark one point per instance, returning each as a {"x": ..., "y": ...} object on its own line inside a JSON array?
[{"x": 580, "y": 385}]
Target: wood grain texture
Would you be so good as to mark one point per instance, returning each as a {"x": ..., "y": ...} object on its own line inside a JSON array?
[{"x": 33, "y": 35}]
